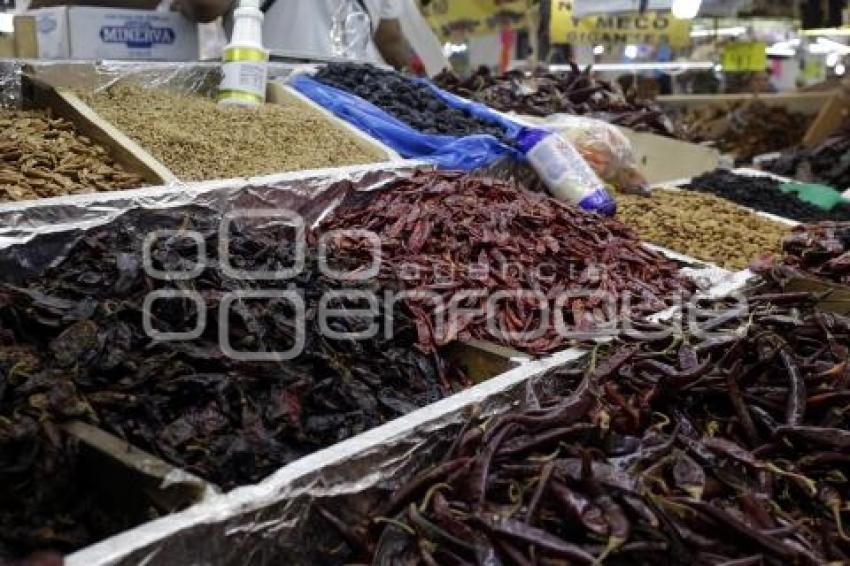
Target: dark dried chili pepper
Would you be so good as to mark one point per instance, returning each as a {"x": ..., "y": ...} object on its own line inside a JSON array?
[
  {"x": 688, "y": 482},
  {"x": 828, "y": 437},
  {"x": 541, "y": 539},
  {"x": 543, "y": 93},
  {"x": 723, "y": 518}
]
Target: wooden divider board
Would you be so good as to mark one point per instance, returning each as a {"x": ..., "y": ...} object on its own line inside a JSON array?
[
  {"x": 832, "y": 115},
  {"x": 168, "y": 487},
  {"x": 89, "y": 123}
]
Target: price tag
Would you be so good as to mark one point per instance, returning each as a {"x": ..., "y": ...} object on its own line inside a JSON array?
[{"x": 741, "y": 57}]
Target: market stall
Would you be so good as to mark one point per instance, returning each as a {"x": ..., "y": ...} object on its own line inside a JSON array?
[{"x": 326, "y": 312}]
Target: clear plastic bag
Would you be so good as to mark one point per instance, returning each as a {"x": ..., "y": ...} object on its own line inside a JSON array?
[
  {"x": 351, "y": 29},
  {"x": 603, "y": 146}
]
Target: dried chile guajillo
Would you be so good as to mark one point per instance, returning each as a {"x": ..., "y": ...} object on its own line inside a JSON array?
[
  {"x": 746, "y": 129},
  {"x": 74, "y": 347},
  {"x": 728, "y": 443},
  {"x": 455, "y": 242},
  {"x": 821, "y": 250},
  {"x": 544, "y": 93},
  {"x": 825, "y": 163}
]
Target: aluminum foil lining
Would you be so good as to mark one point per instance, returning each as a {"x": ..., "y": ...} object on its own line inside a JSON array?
[{"x": 35, "y": 234}]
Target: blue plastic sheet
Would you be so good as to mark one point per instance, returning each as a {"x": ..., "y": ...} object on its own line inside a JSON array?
[
  {"x": 511, "y": 128},
  {"x": 447, "y": 152}
]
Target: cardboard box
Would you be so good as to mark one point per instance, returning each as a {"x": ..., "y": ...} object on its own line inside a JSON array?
[
  {"x": 129, "y": 4},
  {"x": 80, "y": 32}
]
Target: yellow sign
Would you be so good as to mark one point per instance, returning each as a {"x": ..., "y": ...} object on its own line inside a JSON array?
[
  {"x": 648, "y": 28},
  {"x": 739, "y": 57},
  {"x": 475, "y": 16}
]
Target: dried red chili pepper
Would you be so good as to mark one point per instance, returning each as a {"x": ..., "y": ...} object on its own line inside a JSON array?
[{"x": 467, "y": 239}]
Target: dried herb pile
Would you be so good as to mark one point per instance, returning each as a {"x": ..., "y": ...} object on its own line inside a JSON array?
[
  {"x": 821, "y": 250},
  {"x": 411, "y": 102},
  {"x": 198, "y": 139},
  {"x": 728, "y": 443},
  {"x": 452, "y": 236},
  {"x": 42, "y": 156},
  {"x": 762, "y": 193},
  {"x": 544, "y": 93},
  {"x": 73, "y": 346},
  {"x": 827, "y": 163},
  {"x": 702, "y": 226},
  {"x": 745, "y": 130}
]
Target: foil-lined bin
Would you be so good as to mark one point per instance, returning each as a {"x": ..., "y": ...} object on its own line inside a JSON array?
[{"x": 36, "y": 235}]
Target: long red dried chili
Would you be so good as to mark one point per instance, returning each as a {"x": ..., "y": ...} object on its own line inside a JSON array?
[{"x": 542, "y": 270}]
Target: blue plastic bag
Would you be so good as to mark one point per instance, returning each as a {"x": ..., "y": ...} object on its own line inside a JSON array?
[
  {"x": 447, "y": 152},
  {"x": 511, "y": 128}
]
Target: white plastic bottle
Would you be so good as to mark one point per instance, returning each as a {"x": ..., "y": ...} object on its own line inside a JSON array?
[
  {"x": 245, "y": 67},
  {"x": 564, "y": 171}
]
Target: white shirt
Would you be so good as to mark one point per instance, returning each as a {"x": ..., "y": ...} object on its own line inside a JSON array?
[{"x": 304, "y": 26}]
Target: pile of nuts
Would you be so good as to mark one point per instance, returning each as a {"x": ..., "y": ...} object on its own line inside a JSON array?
[
  {"x": 42, "y": 156},
  {"x": 198, "y": 139},
  {"x": 702, "y": 226}
]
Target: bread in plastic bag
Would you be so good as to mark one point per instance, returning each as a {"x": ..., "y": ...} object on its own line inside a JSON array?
[{"x": 607, "y": 150}]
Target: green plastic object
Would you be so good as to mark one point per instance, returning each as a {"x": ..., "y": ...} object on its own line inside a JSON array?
[{"x": 819, "y": 195}]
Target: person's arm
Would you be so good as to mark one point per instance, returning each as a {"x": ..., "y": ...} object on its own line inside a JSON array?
[
  {"x": 204, "y": 11},
  {"x": 392, "y": 44}
]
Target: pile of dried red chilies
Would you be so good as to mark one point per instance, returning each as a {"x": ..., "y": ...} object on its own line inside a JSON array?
[
  {"x": 727, "y": 443},
  {"x": 821, "y": 250},
  {"x": 461, "y": 242}
]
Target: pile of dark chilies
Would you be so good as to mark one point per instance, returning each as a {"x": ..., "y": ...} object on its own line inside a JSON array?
[
  {"x": 73, "y": 346},
  {"x": 745, "y": 130},
  {"x": 819, "y": 250},
  {"x": 827, "y": 163},
  {"x": 467, "y": 239},
  {"x": 412, "y": 102},
  {"x": 722, "y": 440},
  {"x": 763, "y": 193},
  {"x": 544, "y": 93}
]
